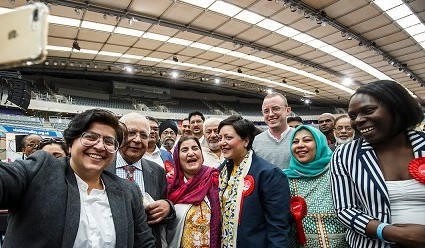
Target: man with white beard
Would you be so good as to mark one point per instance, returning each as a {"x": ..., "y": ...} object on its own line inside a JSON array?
[
  {"x": 343, "y": 131},
  {"x": 212, "y": 151}
]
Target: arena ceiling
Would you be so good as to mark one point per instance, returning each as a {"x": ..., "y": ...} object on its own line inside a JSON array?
[{"x": 320, "y": 50}]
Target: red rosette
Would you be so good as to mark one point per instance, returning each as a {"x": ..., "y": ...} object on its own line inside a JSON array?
[
  {"x": 248, "y": 185},
  {"x": 168, "y": 166},
  {"x": 417, "y": 169},
  {"x": 299, "y": 211}
]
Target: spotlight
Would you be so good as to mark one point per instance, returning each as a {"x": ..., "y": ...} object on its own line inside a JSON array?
[
  {"x": 284, "y": 81},
  {"x": 105, "y": 16},
  {"x": 109, "y": 68},
  {"x": 349, "y": 37},
  {"x": 161, "y": 73},
  {"x": 239, "y": 70},
  {"x": 307, "y": 101},
  {"x": 360, "y": 43},
  {"x": 269, "y": 91},
  {"x": 306, "y": 15},
  {"x": 174, "y": 74},
  {"x": 293, "y": 8},
  {"x": 343, "y": 34},
  {"x": 175, "y": 59},
  {"x": 317, "y": 91},
  {"x": 130, "y": 21},
  {"x": 76, "y": 46},
  {"x": 217, "y": 80}
]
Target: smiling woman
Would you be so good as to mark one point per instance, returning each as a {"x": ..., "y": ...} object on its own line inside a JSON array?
[
  {"x": 316, "y": 225},
  {"x": 194, "y": 192},
  {"x": 61, "y": 198},
  {"x": 377, "y": 180}
]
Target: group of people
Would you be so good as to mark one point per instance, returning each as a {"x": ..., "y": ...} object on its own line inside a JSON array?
[{"x": 356, "y": 181}]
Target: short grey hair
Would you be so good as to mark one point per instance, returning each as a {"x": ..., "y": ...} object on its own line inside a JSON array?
[{"x": 211, "y": 122}]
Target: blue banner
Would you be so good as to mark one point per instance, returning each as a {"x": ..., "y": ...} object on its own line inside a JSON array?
[{"x": 24, "y": 130}]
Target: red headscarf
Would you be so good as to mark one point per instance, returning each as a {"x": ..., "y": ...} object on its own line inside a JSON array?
[{"x": 204, "y": 183}]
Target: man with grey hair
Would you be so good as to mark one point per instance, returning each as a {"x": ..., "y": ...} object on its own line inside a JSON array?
[
  {"x": 343, "y": 131},
  {"x": 129, "y": 163},
  {"x": 273, "y": 144},
  {"x": 212, "y": 150},
  {"x": 326, "y": 126}
]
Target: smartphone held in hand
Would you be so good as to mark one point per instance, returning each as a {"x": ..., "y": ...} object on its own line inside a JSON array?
[{"x": 23, "y": 36}]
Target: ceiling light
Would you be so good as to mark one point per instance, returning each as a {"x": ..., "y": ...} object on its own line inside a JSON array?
[
  {"x": 269, "y": 91},
  {"x": 128, "y": 31},
  {"x": 343, "y": 34},
  {"x": 307, "y": 101},
  {"x": 225, "y": 8},
  {"x": 97, "y": 26},
  {"x": 270, "y": 24},
  {"x": 175, "y": 59},
  {"x": 284, "y": 81},
  {"x": 347, "y": 81},
  {"x": 130, "y": 21},
  {"x": 316, "y": 91},
  {"x": 76, "y": 46},
  {"x": 109, "y": 68},
  {"x": 239, "y": 70},
  {"x": 293, "y": 8},
  {"x": 249, "y": 17},
  {"x": 128, "y": 68},
  {"x": 203, "y": 4},
  {"x": 217, "y": 80},
  {"x": 174, "y": 74},
  {"x": 153, "y": 36},
  {"x": 306, "y": 15}
]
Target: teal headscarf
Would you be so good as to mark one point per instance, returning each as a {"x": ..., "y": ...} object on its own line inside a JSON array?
[{"x": 320, "y": 163}]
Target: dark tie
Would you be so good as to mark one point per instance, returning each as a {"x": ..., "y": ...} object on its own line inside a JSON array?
[{"x": 130, "y": 172}]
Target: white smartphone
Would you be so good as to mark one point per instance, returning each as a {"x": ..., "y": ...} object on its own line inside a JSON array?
[{"x": 23, "y": 35}]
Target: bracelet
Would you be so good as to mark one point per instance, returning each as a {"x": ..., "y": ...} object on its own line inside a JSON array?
[{"x": 380, "y": 229}]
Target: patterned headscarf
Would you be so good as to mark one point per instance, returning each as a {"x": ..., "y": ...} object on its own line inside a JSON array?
[{"x": 321, "y": 160}]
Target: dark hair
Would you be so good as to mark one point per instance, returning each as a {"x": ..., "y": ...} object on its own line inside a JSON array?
[
  {"x": 406, "y": 111},
  {"x": 244, "y": 128},
  {"x": 48, "y": 141},
  {"x": 24, "y": 139},
  {"x": 196, "y": 113},
  {"x": 185, "y": 119},
  {"x": 150, "y": 118},
  {"x": 294, "y": 118},
  {"x": 81, "y": 123}
]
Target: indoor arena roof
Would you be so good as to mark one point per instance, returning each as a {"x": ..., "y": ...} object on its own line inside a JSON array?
[{"x": 320, "y": 50}]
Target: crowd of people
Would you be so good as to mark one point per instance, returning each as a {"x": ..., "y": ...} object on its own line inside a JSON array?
[{"x": 357, "y": 180}]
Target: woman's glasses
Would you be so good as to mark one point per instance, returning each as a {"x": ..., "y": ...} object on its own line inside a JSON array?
[{"x": 90, "y": 139}]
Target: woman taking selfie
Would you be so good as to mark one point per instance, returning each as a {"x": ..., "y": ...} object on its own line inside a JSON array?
[
  {"x": 316, "y": 224},
  {"x": 254, "y": 194},
  {"x": 194, "y": 192},
  {"x": 73, "y": 202},
  {"x": 378, "y": 180}
]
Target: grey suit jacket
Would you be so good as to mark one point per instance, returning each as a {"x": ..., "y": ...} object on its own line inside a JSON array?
[
  {"x": 43, "y": 197},
  {"x": 156, "y": 187}
]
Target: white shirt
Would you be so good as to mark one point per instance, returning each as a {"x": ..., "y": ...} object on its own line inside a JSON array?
[
  {"x": 282, "y": 136},
  {"x": 96, "y": 227},
  {"x": 155, "y": 156},
  {"x": 407, "y": 201},
  {"x": 137, "y": 174}
]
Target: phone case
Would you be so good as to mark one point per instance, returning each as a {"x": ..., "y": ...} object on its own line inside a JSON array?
[{"x": 23, "y": 36}]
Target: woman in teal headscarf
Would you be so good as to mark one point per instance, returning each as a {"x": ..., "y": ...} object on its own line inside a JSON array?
[{"x": 316, "y": 224}]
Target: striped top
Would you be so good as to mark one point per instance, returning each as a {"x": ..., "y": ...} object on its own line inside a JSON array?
[{"x": 359, "y": 191}]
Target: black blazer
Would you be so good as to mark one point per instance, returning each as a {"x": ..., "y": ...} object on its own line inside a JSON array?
[{"x": 42, "y": 195}]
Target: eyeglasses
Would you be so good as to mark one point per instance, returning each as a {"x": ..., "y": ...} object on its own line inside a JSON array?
[
  {"x": 274, "y": 109},
  {"x": 32, "y": 145},
  {"x": 347, "y": 128},
  {"x": 90, "y": 139},
  {"x": 171, "y": 133},
  {"x": 51, "y": 140},
  {"x": 132, "y": 134}
]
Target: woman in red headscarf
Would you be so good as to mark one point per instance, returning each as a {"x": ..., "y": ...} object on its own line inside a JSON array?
[{"x": 194, "y": 193}]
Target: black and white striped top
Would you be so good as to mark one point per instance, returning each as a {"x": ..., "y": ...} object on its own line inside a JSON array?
[{"x": 359, "y": 191}]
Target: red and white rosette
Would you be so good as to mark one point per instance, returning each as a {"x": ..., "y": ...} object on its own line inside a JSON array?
[
  {"x": 417, "y": 169},
  {"x": 299, "y": 211}
]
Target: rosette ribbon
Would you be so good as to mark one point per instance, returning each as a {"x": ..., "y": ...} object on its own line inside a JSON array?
[
  {"x": 299, "y": 211},
  {"x": 417, "y": 169}
]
